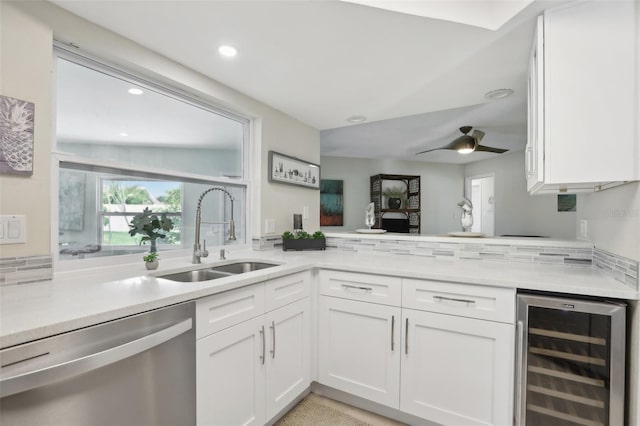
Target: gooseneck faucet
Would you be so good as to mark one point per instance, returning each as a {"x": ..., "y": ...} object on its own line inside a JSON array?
[{"x": 198, "y": 251}]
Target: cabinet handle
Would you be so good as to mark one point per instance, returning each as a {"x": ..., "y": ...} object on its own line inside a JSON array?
[
  {"x": 273, "y": 339},
  {"x": 451, "y": 299},
  {"x": 357, "y": 287},
  {"x": 519, "y": 368},
  {"x": 393, "y": 326},
  {"x": 262, "y": 357},
  {"x": 528, "y": 161},
  {"x": 406, "y": 337}
]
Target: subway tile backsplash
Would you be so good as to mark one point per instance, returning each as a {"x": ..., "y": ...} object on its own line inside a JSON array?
[
  {"x": 620, "y": 268},
  {"x": 22, "y": 270}
]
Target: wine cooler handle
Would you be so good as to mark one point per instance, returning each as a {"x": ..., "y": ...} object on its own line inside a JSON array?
[{"x": 519, "y": 370}]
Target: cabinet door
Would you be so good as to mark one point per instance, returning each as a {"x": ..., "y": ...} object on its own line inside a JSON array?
[
  {"x": 457, "y": 371},
  {"x": 230, "y": 378},
  {"x": 288, "y": 354},
  {"x": 534, "y": 152},
  {"x": 358, "y": 350}
]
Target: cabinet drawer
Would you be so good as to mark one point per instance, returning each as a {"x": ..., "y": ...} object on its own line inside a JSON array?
[
  {"x": 369, "y": 288},
  {"x": 488, "y": 303},
  {"x": 220, "y": 311},
  {"x": 284, "y": 290}
]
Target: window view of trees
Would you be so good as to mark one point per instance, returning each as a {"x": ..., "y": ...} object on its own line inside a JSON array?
[{"x": 122, "y": 199}]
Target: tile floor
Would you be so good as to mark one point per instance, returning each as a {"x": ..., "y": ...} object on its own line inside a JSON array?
[{"x": 362, "y": 415}]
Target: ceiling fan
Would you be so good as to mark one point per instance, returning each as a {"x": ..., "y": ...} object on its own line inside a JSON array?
[{"x": 466, "y": 144}]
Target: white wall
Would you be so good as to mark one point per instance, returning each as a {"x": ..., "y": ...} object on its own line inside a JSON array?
[
  {"x": 517, "y": 212},
  {"x": 613, "y": 219},
  {"x": 26, "y": 46},
  {"x": 441, "y": 187},
  {"x": 25, "y": 73}
]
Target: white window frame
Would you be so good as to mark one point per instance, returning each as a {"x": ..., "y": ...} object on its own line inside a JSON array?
[{"x": 72, "y": 161}]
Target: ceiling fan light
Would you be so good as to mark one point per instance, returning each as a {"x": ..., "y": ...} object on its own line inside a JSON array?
[{"x": 465, "y": 150}]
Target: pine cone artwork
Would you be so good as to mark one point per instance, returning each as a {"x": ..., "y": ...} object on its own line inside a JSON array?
[{"x": 16, "y": 136}]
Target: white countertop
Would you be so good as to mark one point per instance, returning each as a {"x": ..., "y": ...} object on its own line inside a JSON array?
[{"x": 78, "y": 299}]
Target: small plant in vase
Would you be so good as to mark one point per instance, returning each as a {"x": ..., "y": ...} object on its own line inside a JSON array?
[
  {"x": 394, "y": 196},
  {"x": 151, "y": 226},
  {"x": 151, "y": 260}
]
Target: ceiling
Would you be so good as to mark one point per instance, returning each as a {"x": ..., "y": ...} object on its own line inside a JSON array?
[{"x": 416, "y": 79}]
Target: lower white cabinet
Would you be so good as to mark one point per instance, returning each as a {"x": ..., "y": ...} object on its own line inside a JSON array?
[
  {"x": 359, "y": 349},
  {"x": 288, "y": 354},
  {"x": 230, "y": 378},
  {"x": 248, "y": 372},
  {"x": 456, "y": 370},
  {"x": 450, "y": 361}
]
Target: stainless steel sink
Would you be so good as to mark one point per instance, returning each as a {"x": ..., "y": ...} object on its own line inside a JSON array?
[
  {"x": 216, "y": 272},
  {"x": 242, "y": 267}
]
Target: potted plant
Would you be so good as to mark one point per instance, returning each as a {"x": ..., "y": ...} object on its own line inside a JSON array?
[
  {"x": 151, "y": 260},
  {"x": 302, "y": 240},
  {"x": 150, "y": 226},
  {"x": 394, "y": 195}
]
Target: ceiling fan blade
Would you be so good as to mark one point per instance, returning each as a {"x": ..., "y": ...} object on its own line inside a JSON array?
[
  {"x": 490, "y": 149},
  {"x": 434, "y": 149},
  {"x": 477, "y": 135},
  {"x": 451, "y": 145}
]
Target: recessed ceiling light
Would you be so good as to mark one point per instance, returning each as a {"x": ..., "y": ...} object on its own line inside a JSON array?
[
  {"x": 498, "y": 94},
  {"x": 357, "y": 119},
  {"x": 124, "y": 134},
  {"x": 228, "y": 51},
  {"x": 135, "y": 91}
]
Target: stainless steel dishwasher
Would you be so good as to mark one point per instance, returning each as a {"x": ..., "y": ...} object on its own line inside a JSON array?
[{"x": 134, "y": 371}]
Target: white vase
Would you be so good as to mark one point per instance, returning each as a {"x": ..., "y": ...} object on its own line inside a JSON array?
[{"x": 152, "y": 265}]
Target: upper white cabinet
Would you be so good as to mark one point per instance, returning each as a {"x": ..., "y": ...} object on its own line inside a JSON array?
[{"x": 582, "y": 98}]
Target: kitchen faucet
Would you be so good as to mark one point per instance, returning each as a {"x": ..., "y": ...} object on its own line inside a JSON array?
[{"x": 198, "y": 251}]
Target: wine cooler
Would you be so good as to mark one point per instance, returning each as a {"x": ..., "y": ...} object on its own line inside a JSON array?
[{"x": 571, "y": 356}]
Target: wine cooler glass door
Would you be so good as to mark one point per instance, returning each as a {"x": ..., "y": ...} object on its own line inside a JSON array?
[{"x": 573, "y": 362}]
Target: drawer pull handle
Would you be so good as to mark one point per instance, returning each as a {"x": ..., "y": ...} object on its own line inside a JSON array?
[
  {"x": 393, "y": 326},
  {"x": 452, "y": 299},
  {"x": 263, "y": 356},
  {"x": 273, "y": 339},
  {"x": 406, "y": 337},
  {"x": 357, "y": 287}
]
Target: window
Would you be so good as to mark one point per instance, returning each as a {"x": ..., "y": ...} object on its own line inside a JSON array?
[{"x": 124, "y": 144}]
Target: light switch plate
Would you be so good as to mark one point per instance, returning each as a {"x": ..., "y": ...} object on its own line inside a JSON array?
[
  {"x": 269, "y": 226},
  {"x": 13, "y": 229}
]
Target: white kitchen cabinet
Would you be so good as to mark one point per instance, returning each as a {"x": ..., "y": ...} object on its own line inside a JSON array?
[
  {"x": 230, "y": 379},
  {"x": 359, "y": 349},
  {"x": 250, "y": 369},
  {"x": 288, "y": 354},
  {"x": 456, "y": 370},
  {"x": 582, "y": 95}
]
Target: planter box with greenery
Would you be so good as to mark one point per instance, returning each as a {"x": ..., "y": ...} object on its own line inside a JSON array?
[{"x": 303, "y": 241}]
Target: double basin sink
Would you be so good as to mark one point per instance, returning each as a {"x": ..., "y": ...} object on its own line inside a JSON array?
[{"x": 212, "y": 273}]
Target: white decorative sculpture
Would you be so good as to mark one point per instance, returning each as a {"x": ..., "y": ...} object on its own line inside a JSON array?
[
  {"x": 466, "y": 219},
  {"x": 369, "y": 215}
]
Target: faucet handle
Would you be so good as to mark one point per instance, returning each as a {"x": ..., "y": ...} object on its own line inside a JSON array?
[{"x": 205, "y": 253}]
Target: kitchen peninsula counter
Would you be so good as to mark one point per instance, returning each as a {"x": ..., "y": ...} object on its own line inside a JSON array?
[{"x": 78, "y": 299}]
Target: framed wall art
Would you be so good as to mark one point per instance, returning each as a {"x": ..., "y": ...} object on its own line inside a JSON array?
[
  {"x": 293, "y": 171},
  {"x": 16, "y": 136},
  {"x": 331, "y": 202}
]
